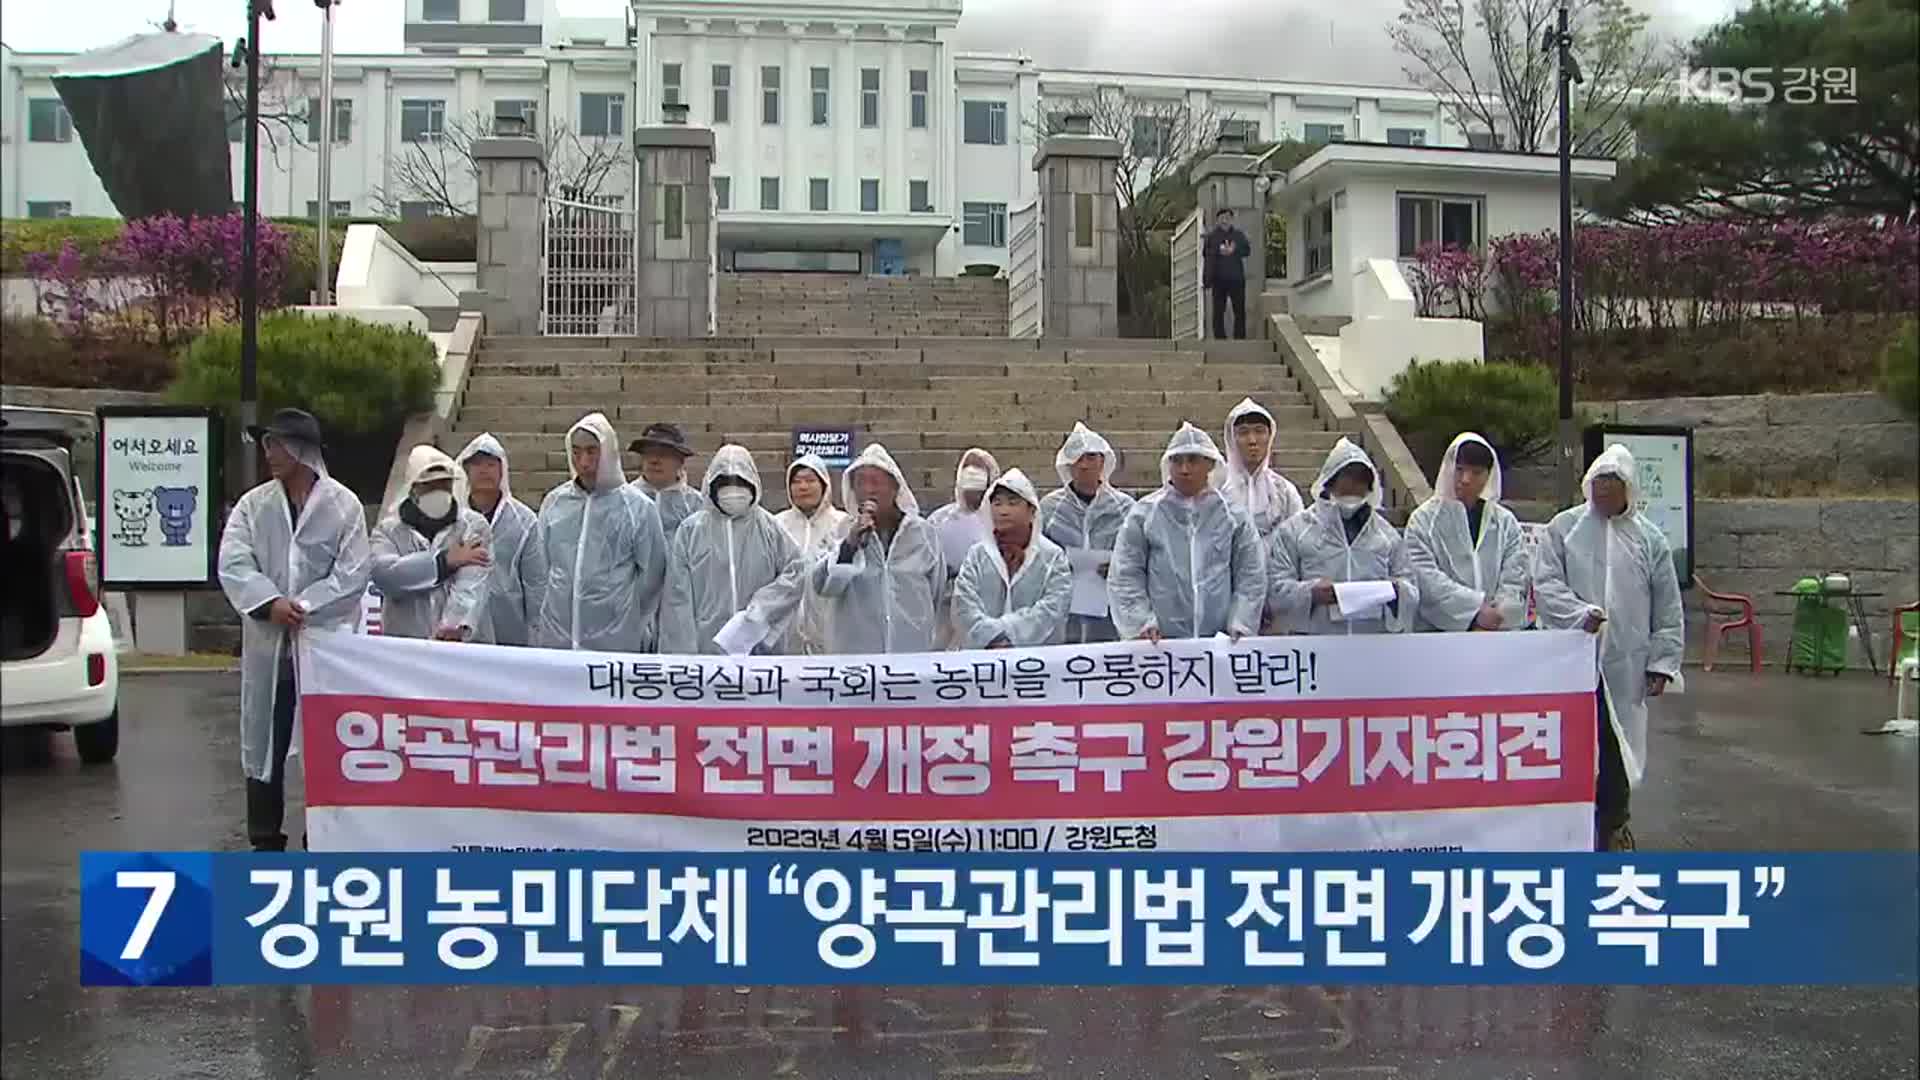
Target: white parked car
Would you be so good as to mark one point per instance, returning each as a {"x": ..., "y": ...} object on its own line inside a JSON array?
[{"x": 58, "y": 670}]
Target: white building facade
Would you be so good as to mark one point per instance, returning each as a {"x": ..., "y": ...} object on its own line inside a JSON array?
[{"x": 848, "y": 134}]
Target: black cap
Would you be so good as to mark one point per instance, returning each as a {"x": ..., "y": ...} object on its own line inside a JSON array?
[
  {"x": 664, "y": 437},
  {"x": 290, "y": 424}
]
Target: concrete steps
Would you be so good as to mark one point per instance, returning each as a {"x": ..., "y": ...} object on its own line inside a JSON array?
[
  {"x": 763, "y": 303},
  {"x": 925, "y": 398}
]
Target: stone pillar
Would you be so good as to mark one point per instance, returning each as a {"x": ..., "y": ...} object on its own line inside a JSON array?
[
  {"x": 1079, "y": 234},
  {"x": 675, "y": 222},
  {"x": 1228, "y": 180},
  {"x": 507, "y": 259}
]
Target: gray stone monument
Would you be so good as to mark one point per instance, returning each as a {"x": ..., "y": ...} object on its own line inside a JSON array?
[
  {"x": 1079, "y": 232},
  {"x": 1228, "y": 180},
  {"x": 676, "y": 218},
  {"x": 507, "y": 258}
]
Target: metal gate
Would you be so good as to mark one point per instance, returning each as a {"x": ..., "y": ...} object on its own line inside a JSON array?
[
  {"x": 1024, "y": 296},
  {"x": 713, "y": 261},
  {"x": 589, "y": 270},
  {"x": 1189, "y": 299}
]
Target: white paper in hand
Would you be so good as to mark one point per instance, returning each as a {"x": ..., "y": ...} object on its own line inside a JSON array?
[
  {"x": 740, "y": 635},
  {"x": 1089, "y": 588},
  {"x": 957, "y": 537},
  {"x": 1363, "y": 599}
]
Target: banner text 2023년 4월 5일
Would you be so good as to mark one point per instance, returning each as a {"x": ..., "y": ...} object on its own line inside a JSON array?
[{"x": 1474, "y": 742}]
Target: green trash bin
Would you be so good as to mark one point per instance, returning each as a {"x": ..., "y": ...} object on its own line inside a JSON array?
[{"x": 1819, "y": 630}]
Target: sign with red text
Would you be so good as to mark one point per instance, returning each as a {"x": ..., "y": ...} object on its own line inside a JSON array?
[{"x": 1477, "y": 742}]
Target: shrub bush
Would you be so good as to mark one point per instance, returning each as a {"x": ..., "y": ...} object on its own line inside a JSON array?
[
  {"x": 438, "y": 239},
  {"x": 1900, "y": 370},
  {"x": 38, "y": 354},
  {"x": 1515, "y": 407},
  {"x": 357, "y": 379},
  {"x": 20, "y": 237}
]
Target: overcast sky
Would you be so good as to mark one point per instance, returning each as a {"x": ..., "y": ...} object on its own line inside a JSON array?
[{"x": 1302, "y": 39}]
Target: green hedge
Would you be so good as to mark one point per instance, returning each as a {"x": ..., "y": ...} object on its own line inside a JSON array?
[
  {"x": 1900, "y": 370},
  {"x": 1513, "y": 406},
  {"x": 439, "y": 239},
  {"x": 354, "y": 377},
  {"x": 20, "y": 237}
]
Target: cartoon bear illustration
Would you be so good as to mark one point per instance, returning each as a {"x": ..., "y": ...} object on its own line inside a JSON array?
[
  {"x": 176, "y": 513},
  {"x": 133, "y": 509}
]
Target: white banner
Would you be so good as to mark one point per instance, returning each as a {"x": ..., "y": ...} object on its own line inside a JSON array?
[{"x": 1434, "y": 741}]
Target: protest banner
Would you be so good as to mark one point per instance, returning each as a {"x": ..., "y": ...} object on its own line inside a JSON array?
[{"x": 1477, "y": 742}]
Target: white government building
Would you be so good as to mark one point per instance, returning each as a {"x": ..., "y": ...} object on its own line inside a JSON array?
[{"x": 842, "y": 127}]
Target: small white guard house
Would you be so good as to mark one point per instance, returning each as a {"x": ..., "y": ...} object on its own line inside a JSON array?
[{"x": 1354, "y": 202}]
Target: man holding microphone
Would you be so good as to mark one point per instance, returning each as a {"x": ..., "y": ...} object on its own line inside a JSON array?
[{"x": 885, "y": 582}]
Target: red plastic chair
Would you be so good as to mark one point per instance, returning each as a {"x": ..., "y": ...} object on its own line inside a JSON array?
[{"x": 1717, "y": 631}]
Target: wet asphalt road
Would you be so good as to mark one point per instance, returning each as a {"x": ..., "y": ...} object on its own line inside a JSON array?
[{"x": 1738, "y": 763}]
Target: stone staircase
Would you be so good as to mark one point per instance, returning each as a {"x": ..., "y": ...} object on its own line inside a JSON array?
[
  {"x": 926, "y": 399},
  {"x": 756, "y": 304}
]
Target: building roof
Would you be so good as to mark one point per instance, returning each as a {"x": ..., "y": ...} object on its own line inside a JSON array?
[{"x": 1340, "y": 160}]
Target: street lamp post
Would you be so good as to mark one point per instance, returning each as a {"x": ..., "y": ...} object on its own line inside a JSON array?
[
  {"x": 1560, "y": 40},
  {"x": 249, "y": 249},
  {"x": 324, "y": 235}
]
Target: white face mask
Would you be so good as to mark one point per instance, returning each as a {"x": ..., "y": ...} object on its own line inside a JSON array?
[
  {"x": 1349, "y": 505},
  {"x": 973, "y": 478},
  {"x": 435, "y": 504},
  {"x": 734, "y": 501}
]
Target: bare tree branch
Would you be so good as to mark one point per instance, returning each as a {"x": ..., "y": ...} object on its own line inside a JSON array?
[
  {"x": 442, "y": 172},
  {"x": 283, "y": 108}
]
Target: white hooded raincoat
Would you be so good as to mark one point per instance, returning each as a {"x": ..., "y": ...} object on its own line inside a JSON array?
[
  {"x": 814, "y": 534},
  {"x": 1027, "y": 608},
  {"x": 606, "y": 558},
  {"x": 1087, "y": 525},
  {"x": 1457, "y": 574},
  {"x": 518, "y": 577},
  {"x": 415, "y": 601},
  {"x": 1313, "y": 545},
  {"x": 718, "y": 566},
  {"x": 889, "y": 598}
]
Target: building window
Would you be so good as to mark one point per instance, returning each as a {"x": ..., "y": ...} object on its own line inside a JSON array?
[
  {"x": 818, "y": 195},
  {"x": 1483, "y": 140},
  {"x": 723, "y": 192},
  {"x": 440, "y": 10},
  {"x": 917, "y": 99},
  {"x": 342, "y": 120},
  {"x": 1406, "y": 136},
  {"x": 506, "y": 10},
  {"x": 603, "y": 115},
  {"x": 670, "y": 84},
  {"x": 337, "y": 208},
  {"x": 673, "y": 211},
  {"x": 869, "y": 196},
  {"x": 769, "y": 193},
  {"x": 419, "y": 211},
  {"x": 236, "y": 123},
  {"x": 1152, "y": 136},
  {"x": 722, "y": 93},
  {"x": 56, "y": 209},
  {"x": 770, "y": 95},
  {"x": 48, "y": 121},
  {"x": 983, "y": 123},
  {"x": 1326, "y": 133},
  {"x": 869, "y": 97},
  {"x": 821, "y": 81},
  {"x": 515, "y": 116},
  {"x": 1319, "y": 239},
  {"x": 1453, "y": 221},
  {"x": 1247, "y": 130},
  {"x": 983, "y": 224},
  {"x": 422, "y": 119},
  {"x": 919, "y": 199}
]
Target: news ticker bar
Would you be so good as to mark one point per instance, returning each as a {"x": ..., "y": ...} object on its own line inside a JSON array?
[{"x": 198, "y": 918}]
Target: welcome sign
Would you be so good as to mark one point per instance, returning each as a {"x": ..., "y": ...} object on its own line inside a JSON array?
[{"x": 159, "y": 489}]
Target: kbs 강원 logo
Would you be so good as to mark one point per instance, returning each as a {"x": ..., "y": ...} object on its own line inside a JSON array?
[
  {"x": 1765, "y": 85},
  {"x": 146, "y": 918}
]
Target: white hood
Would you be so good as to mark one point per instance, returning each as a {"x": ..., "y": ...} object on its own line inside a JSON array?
[
  {"x": 1443, "y": 479},
  {"x": 875, "y": 456},
  {"x": 1081, "y": 441},
  {"x": 612, "y": 473},
  {"x": 1343, "y": 454},
  {"x": 1245, "y": 482},
  {"x": 817, "y": 465},
  {"x": 731, "y": 461},
  {"x": 1187, "y": 440},
  {"x": 485, "y": 443},
  {"x": 427, "y": 462},
  {"x": 1016, "y": 481},
  {"x": 1618, "y": 461}
]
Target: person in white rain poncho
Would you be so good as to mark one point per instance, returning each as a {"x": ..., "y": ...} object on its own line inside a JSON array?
[
  {"x": 1604, "y": 567},
  {"x": 963, "y": 522},
  {"x": 1247, "y": 478},
  {"x": 1012, "y": 590},
  {"x": 1341, "y": 538},
  {"x": 664, "y": 451},
  {"x": 293, "y": 555},
  {"x": 430, "y": 556},
  {"x": 517, "y": 575},
  {"x": 606, "y": 555},
  {"x": 884, "y": 584},
  {"x": 811, "y": 520},
  {"x": 1186, "y": 564},
  {"x": 730, "y": 558},
  {"x": 1084, "y": 516},
  {"x": 1469, "y": 560}
]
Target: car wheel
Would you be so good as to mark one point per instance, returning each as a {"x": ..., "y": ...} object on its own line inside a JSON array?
[{"x": 99, "y": 742}]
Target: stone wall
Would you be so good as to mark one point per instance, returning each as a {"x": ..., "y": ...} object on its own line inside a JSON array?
[
  {"x": 1757, "y": 547},
  {"x": 1788, "y": 444}
]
